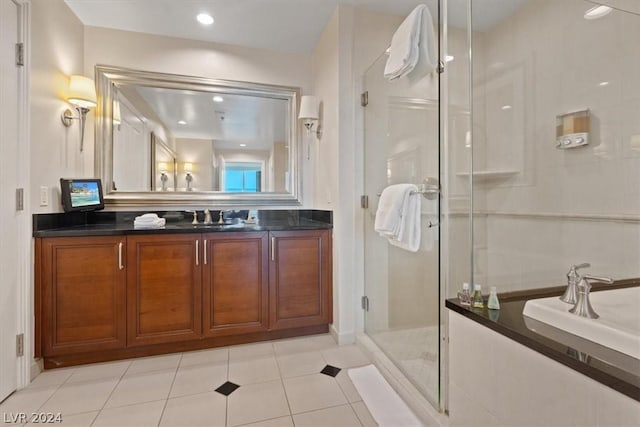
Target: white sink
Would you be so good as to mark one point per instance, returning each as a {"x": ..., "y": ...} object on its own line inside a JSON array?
[{"x": 618, "y": 326}]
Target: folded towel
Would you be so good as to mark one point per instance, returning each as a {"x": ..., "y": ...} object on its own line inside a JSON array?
[
  {"x": 427, "y": 49},
  {"x": 404, "y": 50},
  {"x": 149, "y": 220},
  {"x": 398, "y": 216}
]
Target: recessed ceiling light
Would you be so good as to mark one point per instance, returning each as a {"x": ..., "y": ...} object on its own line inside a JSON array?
[
  {"x": 218, "y": 98},
  {"x": 506, "y": 107},
  {"x": 182, "y": 122},
  {"x": 597, "y": 12},
  {"x": 205, "y": 19},
  {"x": 243, "y": 145},
  {"x": 449, "y": 58},
  {"x": 603, "y": 84}
]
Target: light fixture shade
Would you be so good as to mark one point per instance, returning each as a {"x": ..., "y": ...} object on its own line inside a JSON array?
[
  {"x": 188, "y": 167},
  {"x": 82, "y": 91},
  {"x": 117, "y": 116},
  {"x": 308, "y": 107}
]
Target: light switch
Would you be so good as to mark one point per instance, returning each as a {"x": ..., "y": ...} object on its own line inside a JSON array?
[{"x": 44, "y": 196}]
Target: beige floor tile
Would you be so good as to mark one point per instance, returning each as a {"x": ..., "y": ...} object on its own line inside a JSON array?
[
  {"x": 364, "y": 415},
  {"x": 198, "y": 379},
  {"x": 51, "y": 377},
  {"x": 249, "y": 351},
  {"x": 77, "y": 420},
  {"x": 343, "y": 357},
  {"x": 145, "y": 387},
  {"x": 347, "y": 386},
  {"x": 140, "y": 415},
  {"x": 303, "y": 345},
  {"x": 25, "y": 401},
  {"x": 155, "y": 363},
  {"x": 313, "y": 392},
  {"x": 254, "y": 370},
  {"x": 276, "y": 422},
  {"x": 257, "y": 402},
  {"x": 205, "y": 409},
  {"x": 295, "y": 365},
  {"x": 203, "y": 357},
  {"x": 77, "y": 398},
  {"x": 339, "y": 416},
  {"x": 99, "y": 371}
]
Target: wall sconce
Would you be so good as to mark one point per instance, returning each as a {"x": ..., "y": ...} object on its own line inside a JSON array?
[
  {"x": 82, "y": 94},
  {"x": 188, "y": 168},
  {"x": 309, "y": 114},
  {"x": 163, "y": 172}
]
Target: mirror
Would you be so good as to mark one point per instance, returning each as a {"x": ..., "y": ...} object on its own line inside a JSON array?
[{"x": 164, "y": 139}]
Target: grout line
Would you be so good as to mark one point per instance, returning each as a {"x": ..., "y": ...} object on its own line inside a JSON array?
[
  {"x": 112, "y": 391},
  {"x": 175, "y": 374}
]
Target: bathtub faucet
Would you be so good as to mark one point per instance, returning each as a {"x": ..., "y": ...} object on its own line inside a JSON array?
[
  {"x": 570, "y": 295},
  {"x": 583, "y": 305}
]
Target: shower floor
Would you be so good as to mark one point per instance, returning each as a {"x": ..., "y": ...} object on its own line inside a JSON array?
[{"x": 415, "y": 352}]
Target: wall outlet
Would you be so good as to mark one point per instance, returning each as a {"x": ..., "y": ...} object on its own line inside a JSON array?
[{"x": 44, "y": 196}]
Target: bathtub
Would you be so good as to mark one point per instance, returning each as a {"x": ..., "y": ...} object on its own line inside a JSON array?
[{"x": 617, "y": 328}]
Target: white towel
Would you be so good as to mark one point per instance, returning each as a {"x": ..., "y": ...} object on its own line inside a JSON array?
[
  {"x": 427, "y": 49},
  {"x": 404, "y": 51},
  {"x": 398, "y": 216},
  {"x": 149, "y": 220}
]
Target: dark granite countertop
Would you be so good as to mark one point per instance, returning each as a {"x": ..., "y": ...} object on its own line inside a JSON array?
[
  {"x": 609, "y": 367},
  {"x": 121, "y": 223}
]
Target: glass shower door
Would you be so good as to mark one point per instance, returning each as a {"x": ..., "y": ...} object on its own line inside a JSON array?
[{"x": 402, "y": 146}]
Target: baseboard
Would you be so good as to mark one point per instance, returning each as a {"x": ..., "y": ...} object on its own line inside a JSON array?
[
  {"x": 37, "y": 366},
  {"x": 342, "y": 338},
  {"x": 420, "y": 406}
]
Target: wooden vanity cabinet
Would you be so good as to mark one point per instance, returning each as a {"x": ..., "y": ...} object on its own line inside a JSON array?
[
  {"x": 300, "y": 279},
  {"x": 235, "y": 283},
  {"x": 81, "y": 301},
  {"x": 164, "y": 277}
]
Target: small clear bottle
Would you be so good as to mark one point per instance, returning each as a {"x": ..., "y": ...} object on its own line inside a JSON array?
[
  {"x": 493, "y": 303},
  {"x": 476, "y": 299},
  {"x": 465, "y": 295}
]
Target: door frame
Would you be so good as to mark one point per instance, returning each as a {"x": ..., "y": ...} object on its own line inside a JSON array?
[{"x": 26, "y": 365}]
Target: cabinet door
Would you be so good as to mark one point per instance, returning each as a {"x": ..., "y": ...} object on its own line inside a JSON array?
[
  {"x": 83, "y": 294},
  {"x": 300, "y": 279},
  {"x": 235, "y": 291},
  {"x": 163, "y": 288}
]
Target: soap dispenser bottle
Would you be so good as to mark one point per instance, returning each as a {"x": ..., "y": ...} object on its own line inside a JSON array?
[
  {"x": 476, "y": 299},
  {"x": 465, "y": 295},
  {"x": 493, "y": 303}
]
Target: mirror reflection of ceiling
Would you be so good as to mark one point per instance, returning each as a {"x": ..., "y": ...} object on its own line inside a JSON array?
[
  {"x": 230, "y": 120},
  {"x": 265, "y": 24}
]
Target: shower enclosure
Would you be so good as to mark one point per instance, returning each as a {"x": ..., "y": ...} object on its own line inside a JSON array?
[{"x": 402, "y": 145}]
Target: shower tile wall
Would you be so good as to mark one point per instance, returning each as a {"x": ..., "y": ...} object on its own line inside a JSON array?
[{"x": 540, "y": 209}]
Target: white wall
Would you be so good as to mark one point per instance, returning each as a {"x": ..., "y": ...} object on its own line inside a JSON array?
[
  {"x": 57, "y": 50},
  {"x": 560, "y": 207}
]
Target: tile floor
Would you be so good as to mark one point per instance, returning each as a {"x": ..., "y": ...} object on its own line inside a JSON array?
[{"x": 281, "y": 384}]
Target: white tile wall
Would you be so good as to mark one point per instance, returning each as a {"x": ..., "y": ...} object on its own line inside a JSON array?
[{"x": 495, "y": 381}]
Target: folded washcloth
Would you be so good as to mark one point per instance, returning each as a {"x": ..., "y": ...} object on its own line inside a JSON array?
[
  {"x": 404, "y": 51},
  {"x": 398, "y": 216},
  {"x": 150, "y": 220}
]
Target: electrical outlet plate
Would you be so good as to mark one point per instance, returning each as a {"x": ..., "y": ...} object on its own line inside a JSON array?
[{"x": 44, "y": 196}]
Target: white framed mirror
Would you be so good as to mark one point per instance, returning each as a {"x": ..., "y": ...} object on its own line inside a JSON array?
[{"x": 173, "y": 140}]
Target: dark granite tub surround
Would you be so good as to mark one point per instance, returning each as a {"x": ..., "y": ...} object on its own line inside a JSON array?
[
  {"x": 609, "y": 367},
  {"x": 105, "y": 223}
]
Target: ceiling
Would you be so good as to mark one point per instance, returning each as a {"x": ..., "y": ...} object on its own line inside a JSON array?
[{"x": 284, "y": 25}]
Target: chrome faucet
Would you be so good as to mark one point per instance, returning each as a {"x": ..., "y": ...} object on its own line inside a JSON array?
[
  {"x": 221, "y": 217},
  {"x": 583, "y": 305},
  {"x": 207, "y": 217},
  {"x": 570, "y": 295}
]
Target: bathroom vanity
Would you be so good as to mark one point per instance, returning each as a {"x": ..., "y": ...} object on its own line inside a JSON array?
[{"x": 106, "y": 291}]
